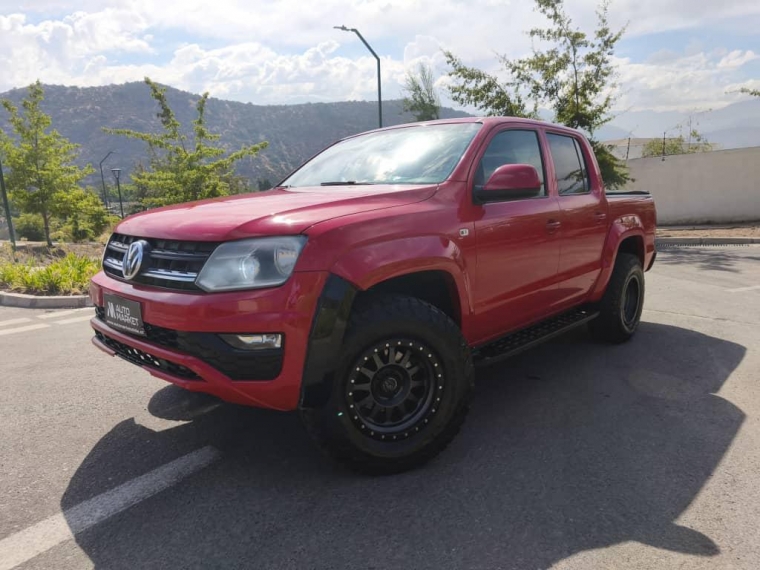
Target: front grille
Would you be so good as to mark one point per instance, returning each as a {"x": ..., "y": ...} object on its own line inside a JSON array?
[
  {"x": 171, "y": 264},
  {"x": 141, "y": 358}
]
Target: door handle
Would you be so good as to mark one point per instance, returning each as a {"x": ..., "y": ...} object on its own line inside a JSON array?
[{"x": 552, "y": 226}]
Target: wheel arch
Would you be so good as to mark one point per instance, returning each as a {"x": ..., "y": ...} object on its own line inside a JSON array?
[
  {"x": 436, "y": 286},
  {"x": 626, "y": 235}
]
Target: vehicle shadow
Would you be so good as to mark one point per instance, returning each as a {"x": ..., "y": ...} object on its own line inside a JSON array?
[
  {"x": 569, "y": 447},
  {"x": 710, "y": 258}
]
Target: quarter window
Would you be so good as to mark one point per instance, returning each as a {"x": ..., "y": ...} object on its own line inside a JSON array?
[{"x": 569, "y": 165}]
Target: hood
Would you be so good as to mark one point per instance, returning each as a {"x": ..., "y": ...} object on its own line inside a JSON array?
[{"x": 274, "y": 212}]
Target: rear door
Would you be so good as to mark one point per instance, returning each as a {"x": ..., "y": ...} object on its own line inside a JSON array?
[
  {"x": 517, "y": 240},
  {"x": 583, "y": 214}
]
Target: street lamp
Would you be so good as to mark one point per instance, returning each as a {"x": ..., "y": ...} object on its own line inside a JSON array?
[
  {"x": 117, "y": 175},
  {"x": 103, "y": 179},
  {"x": 379, "y": 92},
  {"x": 7, "y": 209}
]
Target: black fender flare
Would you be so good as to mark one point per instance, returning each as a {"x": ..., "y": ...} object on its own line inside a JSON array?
[{"x": 326, "y": 340}]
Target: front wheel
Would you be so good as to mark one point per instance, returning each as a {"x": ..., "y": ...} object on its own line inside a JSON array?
[
  {"x": 402, "y": 389},
  {"x": 622, "y": 303}
]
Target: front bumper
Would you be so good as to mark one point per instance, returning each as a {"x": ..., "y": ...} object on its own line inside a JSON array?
[{"x": 191, "y": 362}]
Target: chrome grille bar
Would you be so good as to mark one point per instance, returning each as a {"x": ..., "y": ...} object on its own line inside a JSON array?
[{"x": 171, "y": 264}]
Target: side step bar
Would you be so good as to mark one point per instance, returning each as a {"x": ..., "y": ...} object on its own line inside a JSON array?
[{"x": 524, "y": 339}]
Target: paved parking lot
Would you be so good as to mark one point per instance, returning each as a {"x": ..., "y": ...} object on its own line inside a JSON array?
[{"x": 575, "y": 455}]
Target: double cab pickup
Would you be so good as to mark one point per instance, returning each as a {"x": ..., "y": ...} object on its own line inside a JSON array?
[{"x": 363, "y": 290}]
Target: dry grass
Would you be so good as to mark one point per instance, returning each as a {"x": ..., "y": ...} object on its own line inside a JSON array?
[{"x": 41, "y": 254}]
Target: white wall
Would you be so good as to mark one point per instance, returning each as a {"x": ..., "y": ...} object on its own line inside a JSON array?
[{"x": 718, "y": 186}]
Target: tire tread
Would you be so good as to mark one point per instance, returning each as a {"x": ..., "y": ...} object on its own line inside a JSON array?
[
  {"x": 607, "y": 327},
  {"x": 384, "y": 307}
]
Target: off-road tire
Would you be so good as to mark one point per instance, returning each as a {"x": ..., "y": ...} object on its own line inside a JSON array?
[
  {"x": 619, "y": 315},
  {"x": 395, "y": 322}
]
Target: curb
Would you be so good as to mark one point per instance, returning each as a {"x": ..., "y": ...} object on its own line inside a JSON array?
[
  {"x": 20, "y": 300},
  {"x": 696, "y": 241}
]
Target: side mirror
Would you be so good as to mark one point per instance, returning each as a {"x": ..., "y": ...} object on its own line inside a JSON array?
[{"x": 508, "y": 182}]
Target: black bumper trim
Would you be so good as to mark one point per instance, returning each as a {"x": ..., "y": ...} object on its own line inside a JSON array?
[{"x": 236, "y": 364}]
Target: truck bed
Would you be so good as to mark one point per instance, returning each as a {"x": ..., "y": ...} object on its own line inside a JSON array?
[{"x": 636, "y": 202}]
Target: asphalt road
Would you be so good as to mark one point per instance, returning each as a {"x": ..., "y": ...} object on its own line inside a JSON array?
[{"x": 575, "y": 456}]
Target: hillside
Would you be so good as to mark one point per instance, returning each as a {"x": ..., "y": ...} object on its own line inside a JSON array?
[
  {"x": 733, "y": 126},
  {"x": 294, "y": 132}
]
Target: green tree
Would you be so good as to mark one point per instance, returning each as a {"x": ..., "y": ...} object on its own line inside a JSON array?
[
  {"x": 40, "y": 161},
  {"x": 83, "y": 215},
  {"x": 182, "y": 168},
  {"x": 569, "y": 71},
  {"x": 476, "y": 88},
  {"x": 421, "y": 97}
]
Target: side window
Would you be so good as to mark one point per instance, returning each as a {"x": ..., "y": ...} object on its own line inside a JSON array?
[
  {"x": 511, "y": 147},
  {"x": 569, "y": 165}
]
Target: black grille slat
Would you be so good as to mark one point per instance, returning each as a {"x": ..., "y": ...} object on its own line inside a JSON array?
[
  {"x": 141, "y": 358},
  {"x": 182, "y": 260},
  {"x": 178, "y": 255}
]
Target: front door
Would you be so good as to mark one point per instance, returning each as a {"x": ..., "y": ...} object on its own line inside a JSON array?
[{"x": 517, "y": 242}]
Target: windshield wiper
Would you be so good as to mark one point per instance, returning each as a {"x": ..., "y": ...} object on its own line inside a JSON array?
[{"x": 345, "y": 183}]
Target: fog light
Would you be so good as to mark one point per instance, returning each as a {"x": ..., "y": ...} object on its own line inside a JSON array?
[{"x": 253, "y": 341}]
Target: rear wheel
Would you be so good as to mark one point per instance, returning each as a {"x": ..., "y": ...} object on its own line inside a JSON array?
[
  {"x": 623, "y": 301},
  {"x": 402, "y": 389}
]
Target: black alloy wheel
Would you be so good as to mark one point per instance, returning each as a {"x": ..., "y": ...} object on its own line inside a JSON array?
[
  {"x": 401, "y": 390},
  {"x": 621, "y": 306},
  {"x": 393, "y": 389}
]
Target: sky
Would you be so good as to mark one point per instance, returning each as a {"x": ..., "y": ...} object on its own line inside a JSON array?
[{"x": 676, "y": 55}]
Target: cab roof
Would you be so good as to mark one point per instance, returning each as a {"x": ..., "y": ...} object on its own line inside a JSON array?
[{"x": 487, "y": 121}]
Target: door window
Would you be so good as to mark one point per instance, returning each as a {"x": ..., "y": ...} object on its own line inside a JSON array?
[
  {"x": 569, "y": 165},
  {"x": 512, "y": 147}
]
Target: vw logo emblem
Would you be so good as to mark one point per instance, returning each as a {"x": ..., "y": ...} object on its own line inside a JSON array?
[{"x": 134, "y": 258}]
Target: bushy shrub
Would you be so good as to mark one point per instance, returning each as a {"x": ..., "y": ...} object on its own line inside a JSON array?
[
  {"x": 83, "y": 215},
  {"x": 69, "y": 275},
  {"x": 29, "y": 226}
]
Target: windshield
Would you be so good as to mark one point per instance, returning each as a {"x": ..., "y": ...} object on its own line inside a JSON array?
[{"x": 424, "y": 154}]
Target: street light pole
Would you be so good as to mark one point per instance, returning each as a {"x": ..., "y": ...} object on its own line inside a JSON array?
[
  {"x": 7, "y": 209},
  {"x": 103, "y": 179},
  {"x": 117, "y": 174},
  {"x": 379, "y": 86}
]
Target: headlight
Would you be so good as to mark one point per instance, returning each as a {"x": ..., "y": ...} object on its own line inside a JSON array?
[{"x": 251, "y": 264}]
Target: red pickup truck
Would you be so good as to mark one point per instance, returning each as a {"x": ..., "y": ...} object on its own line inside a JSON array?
[{"x": 363, "y": 289}]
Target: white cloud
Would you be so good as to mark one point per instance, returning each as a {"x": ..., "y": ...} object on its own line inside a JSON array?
[
  {"x": 651, "y": 16},
  {"x": 696, "y": 81},
  {"x": 737, "y": 58},
  {"x": 287, "y": 51}
]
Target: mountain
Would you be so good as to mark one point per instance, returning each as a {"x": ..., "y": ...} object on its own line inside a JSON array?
[
  {"x": 610, "y": 132},
  {"x": 294, "y": 132},
  {"x": 733, "y": 126}
]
